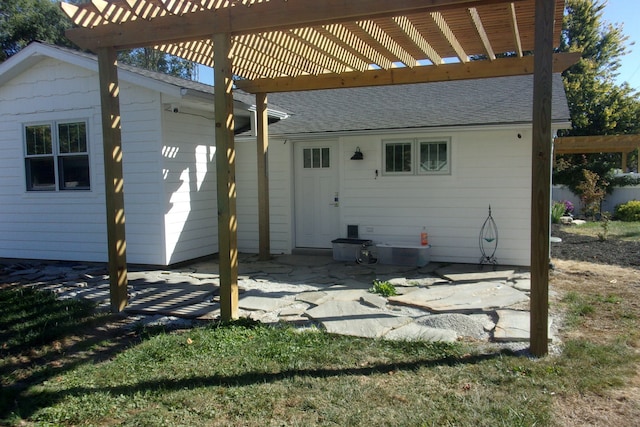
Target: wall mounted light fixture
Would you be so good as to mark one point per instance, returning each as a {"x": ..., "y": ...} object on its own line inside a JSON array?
[{"x": 357, "y": 155}]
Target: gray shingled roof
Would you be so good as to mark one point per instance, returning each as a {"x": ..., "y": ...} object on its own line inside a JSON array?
[
  {"x": 501, "y": 100},
  {"x": 457, "y": 103},
  {"x": 161, "y": 77}
]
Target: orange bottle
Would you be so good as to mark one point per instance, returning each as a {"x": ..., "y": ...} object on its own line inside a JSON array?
[{"x": 424, "y": 237}]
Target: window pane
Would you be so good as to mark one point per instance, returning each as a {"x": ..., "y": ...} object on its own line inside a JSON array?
[
  {"x": 40, "y": 173},
  {"x": 74, "y": 172},
  {"x": 72, "y": 137},
  {"x": 398, "y": 157},
  {"x": 316, "y": 157},
  {"x": 306, "y": 155},
  {"x": 325, "y": 158},
  {"x": 38, "y": 139},
  {"x": 433, "y": 156}
]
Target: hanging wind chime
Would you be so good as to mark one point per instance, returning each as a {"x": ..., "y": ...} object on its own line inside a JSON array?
[{"x": 488, "y": 241}]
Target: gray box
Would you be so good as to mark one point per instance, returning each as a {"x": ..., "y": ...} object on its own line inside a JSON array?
[
  {"x": 348, "y": 249},
  {"x": 398, "y": 254}
]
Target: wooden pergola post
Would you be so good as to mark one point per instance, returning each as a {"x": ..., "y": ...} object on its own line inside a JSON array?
[
  {"x": 226, "y": 176},
  {"x": 113, "y": 178},
  {"x": 541, "y": 176},
  {"x": 263, "y": 177}
]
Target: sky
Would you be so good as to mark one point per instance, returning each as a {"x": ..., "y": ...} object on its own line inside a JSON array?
[
  {"x": 617, "y": 12},
  {"x": 627, "y": 13}
]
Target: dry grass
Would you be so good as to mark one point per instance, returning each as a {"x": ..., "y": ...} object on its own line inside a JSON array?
[{"x": 613, "y": 297}]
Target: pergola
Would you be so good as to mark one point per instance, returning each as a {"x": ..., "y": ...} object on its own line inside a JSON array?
[
  {"x": 623, "y": 144},
  {"x": 264, "y": 46}
]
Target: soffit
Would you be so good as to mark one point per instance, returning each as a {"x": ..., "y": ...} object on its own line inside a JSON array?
[{"x": 278, "y": 39}]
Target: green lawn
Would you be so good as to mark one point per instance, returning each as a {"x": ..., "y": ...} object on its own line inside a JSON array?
[
  {"x": 248, "y": 374},
  {"x": 616, "y": 229}
]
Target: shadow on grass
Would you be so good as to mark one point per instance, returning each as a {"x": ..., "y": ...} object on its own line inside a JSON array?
[
  {"x": 28, "y": 405},
  {"x": 44, "y": 338}
]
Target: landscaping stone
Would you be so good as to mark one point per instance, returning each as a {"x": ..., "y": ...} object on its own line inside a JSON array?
[
  {"x": 353, "y": 318},
  {"x": 418, "y": 332},
  {"x": 474, "y": 273},
  {"x": 465, "y": 298},
  {"x": 463, "y": 325},
  {"x": 513, "y": 326}
]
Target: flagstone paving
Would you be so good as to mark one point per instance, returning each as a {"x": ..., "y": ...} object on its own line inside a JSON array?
[
  {"x": 464, "y": 298},
  {"x": 434, "y": 303}
]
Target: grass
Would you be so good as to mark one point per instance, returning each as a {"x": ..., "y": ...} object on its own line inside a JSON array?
[
  {"x": 616, "y": 229},
  {"x": 58, "y": 371}
]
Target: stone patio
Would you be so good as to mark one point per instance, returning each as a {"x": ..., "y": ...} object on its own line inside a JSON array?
[{"x": 437, "y": 302}]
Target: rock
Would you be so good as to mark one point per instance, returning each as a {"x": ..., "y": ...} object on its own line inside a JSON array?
[{"x": 463, "y": 325}]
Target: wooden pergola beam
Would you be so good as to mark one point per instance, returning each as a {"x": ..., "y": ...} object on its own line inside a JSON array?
[
  {"x": 113, "y": 177},
  {"x": 262, "y": 121},
  {"x": 500, "y": 67},
  {"x": 513, "y": 21},
  {"x": 226, "y": 177},
  {"x": 596, "y": 144},
  {"x": 258, "y": 17},
  {"x": 449, "y": 36},
  {"x": 541, "y": 157},
  {"x": 477, "y": 22}
]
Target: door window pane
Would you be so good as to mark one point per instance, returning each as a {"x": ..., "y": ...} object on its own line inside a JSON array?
[{"x": 316, "y": 158}]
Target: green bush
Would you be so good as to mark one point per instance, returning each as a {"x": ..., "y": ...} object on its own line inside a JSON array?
[
  {"x": 557, "y": 210},
  {"x": 629, "y": 211}
]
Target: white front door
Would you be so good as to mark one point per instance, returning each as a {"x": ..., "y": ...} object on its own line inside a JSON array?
[{"x": 317, "y": 199}]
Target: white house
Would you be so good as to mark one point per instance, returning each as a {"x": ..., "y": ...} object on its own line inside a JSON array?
[{"x": 433, "y": 155}]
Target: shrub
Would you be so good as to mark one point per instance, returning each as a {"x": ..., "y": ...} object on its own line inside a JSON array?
[
  {"x": 557, "y": 210},
  {"x": 592, "y": 192},
  {"x": 629, "y": 211}
]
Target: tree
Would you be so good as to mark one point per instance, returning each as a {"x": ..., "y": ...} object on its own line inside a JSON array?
[
  {"x": 24, "y": 21},
  {"x": 598, "y": 106},
  {"x": 154, "y": 60}
]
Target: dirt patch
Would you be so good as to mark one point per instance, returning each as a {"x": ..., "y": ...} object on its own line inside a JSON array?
[
  {"x": 577, "y": 247},
  {"x": 615, "y": 291}
]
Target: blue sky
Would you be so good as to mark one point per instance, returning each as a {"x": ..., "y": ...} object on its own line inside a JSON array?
[
  {"x": 622, "y": 12},
  {"x": 627, "y": 13}
]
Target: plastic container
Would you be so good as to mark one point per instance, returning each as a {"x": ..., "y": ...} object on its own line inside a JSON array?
[
  {"x": 401, "y": 254},
  {"x": 348, "y": 249}
]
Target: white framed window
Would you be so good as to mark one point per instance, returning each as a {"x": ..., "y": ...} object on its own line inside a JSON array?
[
  {"x": 316, "y": 158},
  {"x": 416, "y": 156},
  {"x": 398, "y": 157},
  {"x": 434, "y": 157},
  {"x": 56, "y": 156}
]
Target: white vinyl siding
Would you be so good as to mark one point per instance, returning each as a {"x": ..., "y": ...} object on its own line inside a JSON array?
[
  {"x": 280, "y": 169},
  {"x": 189, "y": 182},
  {"x": 71, "y": 225},
  {"x": 492, "y": 168}
]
